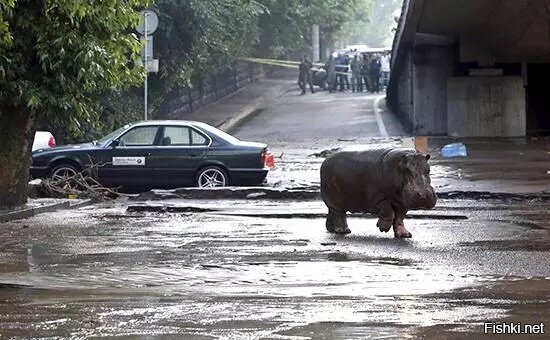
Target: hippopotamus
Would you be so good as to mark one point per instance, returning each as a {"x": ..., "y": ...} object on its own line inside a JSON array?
[{"x": 386, "y": 182}]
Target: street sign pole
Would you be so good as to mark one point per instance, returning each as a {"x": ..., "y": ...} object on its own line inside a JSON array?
[
  {"x": 147, "y": 27},
  {"x": 145, "y": 62}
]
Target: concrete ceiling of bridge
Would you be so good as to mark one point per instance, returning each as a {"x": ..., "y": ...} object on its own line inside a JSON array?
[{"x": 509, "y": 30}]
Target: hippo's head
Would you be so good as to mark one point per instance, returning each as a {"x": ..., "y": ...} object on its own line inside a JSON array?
[{"x": 417, "y": 190}]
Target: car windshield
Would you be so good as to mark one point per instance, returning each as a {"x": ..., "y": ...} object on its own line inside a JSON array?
[
  {"x": 110, "y": 136},
  {"x": 219, "y": 133}
]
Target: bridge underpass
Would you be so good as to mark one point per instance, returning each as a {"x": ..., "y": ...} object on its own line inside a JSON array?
[{"x": 472, "y": 67}]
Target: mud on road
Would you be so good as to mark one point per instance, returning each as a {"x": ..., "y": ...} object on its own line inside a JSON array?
[{"x": 256, "y": 269}]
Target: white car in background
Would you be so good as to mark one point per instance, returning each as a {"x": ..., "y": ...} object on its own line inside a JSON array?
[{"x": 43, "y": 140}]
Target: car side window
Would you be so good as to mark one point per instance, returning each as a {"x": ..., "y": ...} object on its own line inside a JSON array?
[
  {"x": 139, "y": 136},
  {"x": 176, "y": 135},
  {"x": 197, "y": 138}
]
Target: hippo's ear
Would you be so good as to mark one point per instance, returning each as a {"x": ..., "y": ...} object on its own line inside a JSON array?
[{"x": 428, "y": 157}]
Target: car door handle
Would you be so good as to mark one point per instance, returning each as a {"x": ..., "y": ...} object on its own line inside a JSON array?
[{"x": 148, "y": 154}]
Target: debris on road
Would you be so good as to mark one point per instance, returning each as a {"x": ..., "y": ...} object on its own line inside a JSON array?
[
  {"x": 77, "y": 186},
  {"x": 229, "y": 193},
  {"x": 328, "y": 243},
  {"x": 169, "y": 209},
  {"x": 325, "y": 153},
  {"x": 256, "y": 195},
  {"x": 454, "y": 150}
]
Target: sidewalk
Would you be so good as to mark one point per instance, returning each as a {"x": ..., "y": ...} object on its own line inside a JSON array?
[
  {"x": 228, "y": 112},
  {"x": 494, "y": 165}
]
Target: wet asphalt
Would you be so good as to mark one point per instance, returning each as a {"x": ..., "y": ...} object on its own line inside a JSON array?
[{"x": 267, "y": 269}]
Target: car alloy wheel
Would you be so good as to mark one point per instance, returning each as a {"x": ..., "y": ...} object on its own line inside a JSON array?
[
  {"x": 62, "y": 175},
  {"x": 212, "y": 177}
]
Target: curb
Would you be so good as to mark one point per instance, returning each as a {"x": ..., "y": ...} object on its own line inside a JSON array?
[
  {"x": 30, "y": 212},
  {"x": 233, "y": 121},
  {"x": 258, "y": 104}
]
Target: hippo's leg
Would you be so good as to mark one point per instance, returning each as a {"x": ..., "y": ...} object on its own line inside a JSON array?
[
  {"x": 385, "y": 216},
  {"x": 337, "y": 222},
  {"x": 399, "y": 229}
]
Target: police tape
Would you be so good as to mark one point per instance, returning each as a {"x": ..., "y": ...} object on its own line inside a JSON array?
[
  {"x": 278, "y": 62},
  {"x": 287, "y": 64}
]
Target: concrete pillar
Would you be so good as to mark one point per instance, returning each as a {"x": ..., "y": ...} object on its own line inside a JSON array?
[
  {"x": 486, "y": 106},
  {"x": 433, "y": 65},
  {"x": 315, "y": 42}
]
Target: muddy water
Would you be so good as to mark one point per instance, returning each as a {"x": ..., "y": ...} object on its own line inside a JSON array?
[{"x": 105, "y": 272}]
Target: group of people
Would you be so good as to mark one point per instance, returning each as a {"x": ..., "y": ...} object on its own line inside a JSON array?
[{"x": 368, "y": 72}]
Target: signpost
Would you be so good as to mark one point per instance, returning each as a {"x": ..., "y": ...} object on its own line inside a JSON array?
[{"x": 148, "y": 25}]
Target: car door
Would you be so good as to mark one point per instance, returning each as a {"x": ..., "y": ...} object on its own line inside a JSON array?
[
  {"x": 127, "y": 159},
  {"x": 181, "y": 149}
]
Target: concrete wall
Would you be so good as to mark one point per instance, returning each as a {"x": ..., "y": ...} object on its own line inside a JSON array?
[
  {"x": 433, "y": 65},
  {"x": 486, "y": 106},
  {"x": 400, "y": 94}
]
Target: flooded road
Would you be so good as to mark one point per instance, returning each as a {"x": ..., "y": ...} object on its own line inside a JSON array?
[
  {"x": 265, "y": 268},
  {"x": 111, "y": 271}
]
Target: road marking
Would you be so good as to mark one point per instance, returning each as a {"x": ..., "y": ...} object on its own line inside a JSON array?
[{"x": 381, "y": 126}]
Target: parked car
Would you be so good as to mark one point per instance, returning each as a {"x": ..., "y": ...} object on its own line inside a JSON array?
[
  {"x": 161, "y": 154},
  {"x": 43, "y": 140}
]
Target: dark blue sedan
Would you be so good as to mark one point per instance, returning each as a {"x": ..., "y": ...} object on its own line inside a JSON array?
[{"x": 162, "y": 154}]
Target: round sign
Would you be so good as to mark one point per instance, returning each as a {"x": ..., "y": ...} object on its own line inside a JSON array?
[{"x": 152, "y": 22}]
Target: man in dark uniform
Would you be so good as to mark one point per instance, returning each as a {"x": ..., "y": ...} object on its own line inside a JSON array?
[
  {"x": 330, "y": 66},
  {"x": 375, "y": 69},
  {"x": 365, "y": 72},
  {"x": 356, "y": 81},
  {"x": 305, "y": 75}
]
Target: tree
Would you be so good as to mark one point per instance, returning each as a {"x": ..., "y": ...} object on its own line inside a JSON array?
[
  {"x": 378, "y": 30},
  {"x": 54, "y": 56},
  {"x": 285, "y": 28},
  {"x": 197, "y": 39}
]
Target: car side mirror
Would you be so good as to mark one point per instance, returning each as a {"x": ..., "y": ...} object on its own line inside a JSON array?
[{"x": 115, "y": 143}]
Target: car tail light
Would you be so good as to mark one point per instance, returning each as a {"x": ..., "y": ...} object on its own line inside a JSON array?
[
  {"x": 267, "y": 159},
  {"x": 51, "y": 142}
]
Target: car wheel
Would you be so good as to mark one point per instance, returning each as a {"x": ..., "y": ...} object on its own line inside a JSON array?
[
  {"x": 61, "y": 175},
  {"x": 212, "y": 176}
]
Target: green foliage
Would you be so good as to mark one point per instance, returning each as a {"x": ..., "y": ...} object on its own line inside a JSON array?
[
  {"x": 57, "y": 54},
  {"x": 285, "y": 29},
  {"x": 378, "y": 31},
  {"x": 5, "y": 35},
  {"x": 354, "y": 26},
  {"x": 198, "y": 38}
]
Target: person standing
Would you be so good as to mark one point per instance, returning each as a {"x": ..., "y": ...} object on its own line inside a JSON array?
[
  {"x": 340, "y": 70},
  {"x": 302, "y": 76},
  {"x": 365, "y": 72},
  {"x": 356, "y": 82},
  {"x": 305, "y": 75},
  {"x": 330, "y": 66},
  {"x": 385, "y": 62},
  {"x": 375, "y": 68},
  {"x": 347, "y": 71}
]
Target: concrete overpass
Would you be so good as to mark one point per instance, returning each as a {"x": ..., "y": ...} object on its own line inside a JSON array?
[{"x": 472, "y": 67}]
